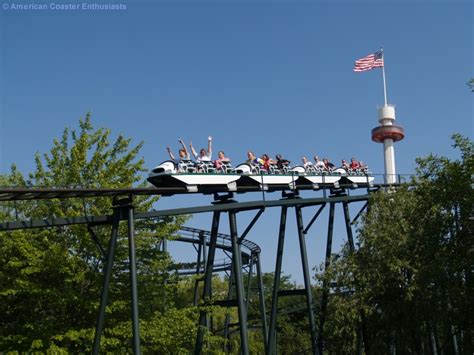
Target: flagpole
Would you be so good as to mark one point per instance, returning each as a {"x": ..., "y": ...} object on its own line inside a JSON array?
[{"x": 383, "y": 76}]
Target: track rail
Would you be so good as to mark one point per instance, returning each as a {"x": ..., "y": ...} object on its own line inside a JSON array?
[
  {"x": 224, "y": 207},
  {"x": 194, "y": 235},
  {"x": 38, "y": 193}
]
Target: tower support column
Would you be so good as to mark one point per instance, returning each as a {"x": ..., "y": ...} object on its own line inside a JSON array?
[{"x": 389, "y": 158}]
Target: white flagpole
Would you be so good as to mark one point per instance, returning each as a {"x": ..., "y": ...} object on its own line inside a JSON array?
[{"x": 383, "y": 76}]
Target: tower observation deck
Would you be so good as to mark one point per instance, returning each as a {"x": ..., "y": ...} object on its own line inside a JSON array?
[{"x": 388, "y": 133}]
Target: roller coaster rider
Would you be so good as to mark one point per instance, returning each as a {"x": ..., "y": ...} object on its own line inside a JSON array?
[
  {"x": 328, "y": 165},
  {"x": 269, "y": 165},
  {"x": 222, "y": 163},
  {"x": 282, "y": 164},
  {"x": 255, "y": 163},
  {"x": 204, "y": 158},
  {"x": 184, "y": 162}
]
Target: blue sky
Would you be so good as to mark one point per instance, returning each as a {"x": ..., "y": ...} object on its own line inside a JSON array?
[{"x": 270, "y": 76}]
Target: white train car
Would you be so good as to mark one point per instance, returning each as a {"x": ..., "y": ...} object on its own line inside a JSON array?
[{"x": 204, "y": 177}]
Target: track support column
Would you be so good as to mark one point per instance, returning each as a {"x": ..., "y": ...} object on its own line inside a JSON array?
[
  {"x": 239, "y": 284},
  {"x": 350, "y": 238},
  {"x": 105, "y": 286},
  {"x": 202, "y": 239},
  {"x": 133, "y": 279},
  {"x": 261, "y": 297},
  {"x": 206, "y": 294},
  {"x": 325, "y": 294},
  {"x": 347, "y": 219},
  {"x": 271, "y": 347},
  {"x": 249, "y": 281},
  {"x": 229, "y": 297},
  {"x": 307, "y": 278}
]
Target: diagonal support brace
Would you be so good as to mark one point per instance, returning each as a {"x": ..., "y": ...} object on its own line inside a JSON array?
[
  {"x": 97, "y": 242},
  {"x": 315, "y": 217},
  {"x": 251, "y": 224},
  {"x": 359, "y": 213}
]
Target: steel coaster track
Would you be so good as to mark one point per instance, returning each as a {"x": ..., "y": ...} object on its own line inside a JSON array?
[
  {"x": 39, "y": 193},
  {"x": 251, "y": 246},
  {"x": 193, "y": 235}
]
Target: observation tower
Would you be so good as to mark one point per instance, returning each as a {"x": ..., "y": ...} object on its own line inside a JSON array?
[{"x": 388, "y": 133}]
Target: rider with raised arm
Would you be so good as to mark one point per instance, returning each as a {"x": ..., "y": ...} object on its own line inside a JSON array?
[
  {"x": 204, "y": 155},
  {"x": 182, "y": 153},
  {"x": 203, "y": 159}
]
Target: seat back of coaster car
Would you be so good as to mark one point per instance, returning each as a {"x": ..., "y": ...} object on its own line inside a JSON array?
[
  {"x": 243, "y": 169},
  {"x": 340, "y": 171},
  {"x": 206, "y": 167},
  {"x": 298, "y": 170},
  {"x": 186, "y": 166},
  {"x": 226, "y": 167},
  {"x": 166, "y": 167}
]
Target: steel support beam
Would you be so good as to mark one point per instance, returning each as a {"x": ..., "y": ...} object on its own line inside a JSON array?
[
  {"x": 133, "y": 280},
  {"x": 325, "y": 294},
  {"x": 359, "y": 213},
  {"x": 237, "y": 206},
  {"x": 165, "y": 245},
  {"x": 251, "y": 224},
  {"x": 206, "y": 293},
  {"x": 350, "y": 239},
  {"x": 198, "y": 269},
  {"x": 97, "y": 242},
  {"x": 106, "y": 282},
  {"x": 261, "y": 298},
  {"x": 347, "y": 218},
  {"x": 271, "y": 346},
  {"x": 204, "y": 253},
  {"x": 315, "y": 217},
  {"x": 229, "y": 297},
  {"x": 32, "y": 193},
  {"x": 239, "y": 283},
  {"x": 307, "y": 278},
  {"x": 249, "y": 281}
]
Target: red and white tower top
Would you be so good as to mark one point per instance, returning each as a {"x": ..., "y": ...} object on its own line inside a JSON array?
[{"x": 388, "y": 133}]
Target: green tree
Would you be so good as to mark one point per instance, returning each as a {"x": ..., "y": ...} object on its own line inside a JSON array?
[
  {"x": 293, "y": 335},
  {"x": 50, "y": 279},
  {"x": 409, "y": 283}
]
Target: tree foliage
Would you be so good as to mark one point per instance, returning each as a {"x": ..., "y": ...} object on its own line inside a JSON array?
[
  {"x": 409, "y": 285},
  {"x": 51, "y": 278}
]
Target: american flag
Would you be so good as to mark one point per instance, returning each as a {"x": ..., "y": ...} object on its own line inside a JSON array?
[{"x": 374, "y": 60}]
